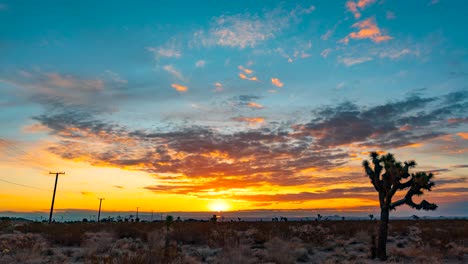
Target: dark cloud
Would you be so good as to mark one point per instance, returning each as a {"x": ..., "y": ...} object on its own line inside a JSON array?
[
  {"x": 356, "y": 192},
  {"x": 391, "y": 125},
  {"x": 437, "y": 171},
  {"x": 441, "y": 182},
  {"x": 241, "y": 101},
  {"x": 198, "y": 159},
  {"x": 460, "y": 166}
]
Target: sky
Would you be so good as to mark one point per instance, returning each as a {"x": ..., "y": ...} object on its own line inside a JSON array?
[{"x": 229, "y": 105}]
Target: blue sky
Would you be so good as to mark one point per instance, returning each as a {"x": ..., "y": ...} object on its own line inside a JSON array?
[{"x": 104, "y": 82}]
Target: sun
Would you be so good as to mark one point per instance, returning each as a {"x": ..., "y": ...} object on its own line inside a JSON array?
[{"x": 218, "y": 206}]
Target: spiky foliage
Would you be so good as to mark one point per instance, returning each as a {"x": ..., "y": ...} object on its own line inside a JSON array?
[{"x": 388, "y": 176}]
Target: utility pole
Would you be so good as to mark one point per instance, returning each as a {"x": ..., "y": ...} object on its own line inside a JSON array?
[
  {"x": 137, "y": 214},
  {"x": 53, "y": 197},
  {"x": 99, "y": 214},
  {"x": 151, "y": 215}
]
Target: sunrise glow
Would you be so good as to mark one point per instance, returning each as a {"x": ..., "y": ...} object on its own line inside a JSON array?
[{"x": 209, "y": 106}]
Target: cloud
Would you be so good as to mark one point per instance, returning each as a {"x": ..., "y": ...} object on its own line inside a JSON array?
[
  {"x": 179, "y": 88},
  {"x": 365, "y": 3},
  {"x": 254, "y": 105},
  {"x": 299, "y": 51},
  {"x": 245, "y": 77},
  {"x": 354, "y": 7},
  {"x": 380, "y": 126},
  {"x": 462, "y": 166},
  {"x": 249, "y": 119},
  {"x": 276, "y": 82},
  {"x": 354, "y": 192},
  {"x": 174, "y": 72},
  {"x": 368, "y": 29},
  {"x": 218, "y": 87},
  {"x": 325, "y": 52},
  {"x": 203, "y": 160},
  {"x": 200, "y": 64},
  {"x": 394, "y": 54},
  {"x": 433, "y": 2},
  {"x": 40, "y": 86},
  {"x": 67, "y": 81},
  {"x": 164, "y": 52},
  {"x": 330, "y": 32},
  {"x": 3, "y": 7},
  {"x": 34, "y": 128},
  {"x": 463, "y": 135},
  {"x": 247, "y": 30},
  {"x": 244, "y": 101},
  {"x": 353, "y": 61},
  {"x": 245, "y": 70}
]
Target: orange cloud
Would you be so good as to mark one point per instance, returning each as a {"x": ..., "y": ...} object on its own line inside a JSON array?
[
  {"x": 244, "y": 77},
  {"x": 362, "y": 4},
  {"x": 463, "y": 135},
  {"x": 368, "y": 29},
  {"x": 247, "y": 71},
  {"x": 254, "y": 105},
  {"x": 276, "y": 82},
  {"x": 352, "y": 7},
  {"x": 179, "y": 88},
  {"x": 249, "y": 119}
]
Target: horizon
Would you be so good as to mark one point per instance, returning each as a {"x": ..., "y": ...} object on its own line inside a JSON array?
[{"x": 234, "y": 106}]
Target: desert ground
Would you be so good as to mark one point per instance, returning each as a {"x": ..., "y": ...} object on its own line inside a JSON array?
[{"x": 410, "y": 241}]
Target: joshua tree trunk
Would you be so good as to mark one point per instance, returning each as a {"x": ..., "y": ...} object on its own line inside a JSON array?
[
  {"x": 396, "y": 177},
  {"x": 383, "y": 232}
]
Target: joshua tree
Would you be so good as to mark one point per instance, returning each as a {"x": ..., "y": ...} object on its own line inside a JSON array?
[{"x": 395, "y": 177}]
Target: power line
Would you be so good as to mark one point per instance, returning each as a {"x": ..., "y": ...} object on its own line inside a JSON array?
[{"x": 24, "y": 185}]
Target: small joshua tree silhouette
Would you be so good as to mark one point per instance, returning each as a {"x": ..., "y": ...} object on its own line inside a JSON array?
[{"x": 396, "y": 177}]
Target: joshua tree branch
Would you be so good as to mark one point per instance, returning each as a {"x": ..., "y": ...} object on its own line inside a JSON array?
[
  {"x": 425, "y": 205},
  {"x": 405, "y": 185},
  {"x": 397, "y": 203}
]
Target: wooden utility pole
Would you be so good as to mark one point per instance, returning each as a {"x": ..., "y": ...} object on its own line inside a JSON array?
[
  {"x": 137, "y": 214},
  {"x": 53, "y": 197},
  {"x": 99, "y": 214}
]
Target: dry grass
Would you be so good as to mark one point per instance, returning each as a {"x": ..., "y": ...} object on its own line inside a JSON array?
[{"x": 421, "y": 241}]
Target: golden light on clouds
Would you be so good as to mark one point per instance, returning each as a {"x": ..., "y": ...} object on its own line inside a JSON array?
[
  {"x": 254, "y": 105},
  {"x": 463, "y": 135},
  {"x": 249, "y": 119},
  {"x": 368, "y": 29},
  {"x": 276, "y": 82},
  {"x": 179, "y": 88},
  {"x": 247, "y": 71}
]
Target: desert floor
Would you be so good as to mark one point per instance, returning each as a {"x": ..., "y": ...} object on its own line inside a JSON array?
[{"x": 410, "y": 241}]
